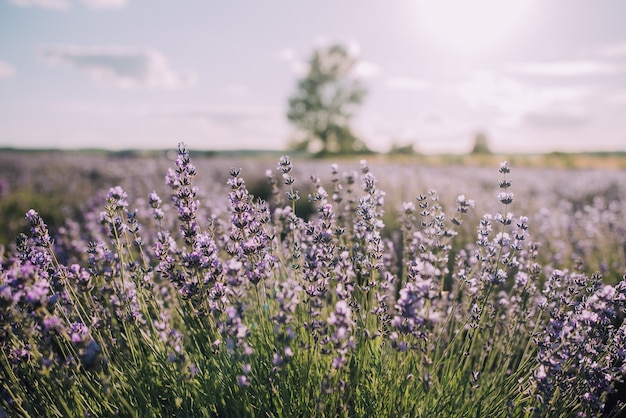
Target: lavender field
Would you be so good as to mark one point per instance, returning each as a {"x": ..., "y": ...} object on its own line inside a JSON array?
[{"x": 194, "y": 286}]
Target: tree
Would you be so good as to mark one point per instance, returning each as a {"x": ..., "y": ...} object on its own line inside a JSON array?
[
  {"x": 397, "y": 149},
  {"x": 481, "y": 144},
  {"x": 324, "y": 101}
]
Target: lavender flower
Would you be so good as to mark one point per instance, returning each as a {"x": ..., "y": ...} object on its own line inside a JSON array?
[
  {"x": 184, "y": 194},
  {"x": 505, "y": 198},
  {"x": 341, "y": 338},
  {"x": 251, "y": 243},
  {"x": 411, "y": 316},
  {"x": 368, "y": 223},
  {"x": 155, "y": 202},
  {"x": 39, "y": 230}
]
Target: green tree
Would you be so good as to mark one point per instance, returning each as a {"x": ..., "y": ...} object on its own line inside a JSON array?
[
  {"x": 481, "y": 144},
  {"x": 398, "y": 149},
  {"x": 323, "y": 104}
]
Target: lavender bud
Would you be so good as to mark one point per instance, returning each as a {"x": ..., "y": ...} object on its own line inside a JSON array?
[{"x": 505, "y": 198}]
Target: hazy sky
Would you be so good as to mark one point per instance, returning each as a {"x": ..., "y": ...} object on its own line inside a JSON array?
[{"x": 534, "y": 75}]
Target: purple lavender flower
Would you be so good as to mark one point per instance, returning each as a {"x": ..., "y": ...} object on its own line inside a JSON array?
[
  {"x": 243, "y": 380},
  {"x": 410, "y": 317},
  {"x": 341, "y": 338},
  {"x": 39, "y": 230},
  {"x": 464, "y": 204},
  {"x": 52, "y": 324},
  {"x": 80, "y": 274},
  {"x": 368, "y": 224},
  {"x": 116, "y": 198},
  {"x": 505, "y": 198},
  {"x": 571, "y": 349},
  {"x": 37, "y": 294},
  {"x": 236, "y": 332},
  {"x": 250, "y": 243},
  {"x": 184, "y": 194},
  {"x": 78, "y": 332}
]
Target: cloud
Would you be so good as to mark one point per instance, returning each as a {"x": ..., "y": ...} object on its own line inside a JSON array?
[
  {"x": 289, "y": 56},
  {"x": 286, "y": 54},
  {"x": 226, "y": 127},
  {"x": 614, "y": 50},
  {"x": 407, "y": 83},
  {"x": 518, "y": 103},
  {"x": 429, "y": 131},
  {"x": 229, "y": 116},
  {"x": 122, "y": 67},
  {"x": 557, "y": 119},
  {"x": 567, "y": 68},
  {"x": 105, "y": 4},
  {"x": 6, "y": 70},
  {"x": 352, "y": 46},
  {"x": 509, "y": 94},
  {"x": 617, "y": 98},
  {"x": 236, "y": 90},
  {"x": 66, "y": 4},
  {"x": 362, "y": 69},
  {"x": 45, "y": 4},
  {"x": 366, "y": 69}
]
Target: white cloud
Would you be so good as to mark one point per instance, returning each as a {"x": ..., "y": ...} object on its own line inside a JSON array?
[
  {"x": 236, "y": 90},
  {"x": 617, "y": 98},
  {"x": 353, "y": 47},
  {"x": 105, "y": 4},
  {"x": 6, "y": 70},
  {"x": 506, "y": 93},
  {"x": 228, "y": 115},
  {"x": 122, "y": 67},
  {"x": 515, "y": 100},
  {"x": 407, "y": 83},
  {"x": 67, "y": 4},
  {"x": 366, "y": 69},
  {"x": 286, "y": 54},
  {"x": 45, "y": 4},
  {"x": 289, "y": 56},
  {"x": 225, "y": 127},
  {"x": 566, "y": 68},
  {"x": 362, "y": 69},
  {"x": 429, "y": 132},
  {"x": 614, "y": 50},
  {"x": 557, "y": 118}
]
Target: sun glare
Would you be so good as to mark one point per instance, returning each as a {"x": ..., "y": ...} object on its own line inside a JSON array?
[{"x": 468, "y": 27}]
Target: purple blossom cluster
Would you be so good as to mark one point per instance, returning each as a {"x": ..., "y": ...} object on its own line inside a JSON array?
[
  {"x": 184, "y": 194},
  {"x": 251, "y": 240},
  {"x": 582, "y": 345}
]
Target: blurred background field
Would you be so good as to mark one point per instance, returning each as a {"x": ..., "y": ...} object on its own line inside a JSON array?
[{"x": 576, "y": 202}]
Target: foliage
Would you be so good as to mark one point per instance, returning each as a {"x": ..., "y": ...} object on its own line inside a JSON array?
[
  {"x": 323, "y": 104},
  {"x": 397, "y": 149},
  {"x": 240, "y": 307},
  {"x": 481, "y": 144}
]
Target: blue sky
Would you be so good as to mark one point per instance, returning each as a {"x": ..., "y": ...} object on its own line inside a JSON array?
[{"x": 534, "y": 75}]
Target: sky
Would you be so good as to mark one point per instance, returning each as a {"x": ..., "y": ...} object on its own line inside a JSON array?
[{"x": 534, "y": 76}]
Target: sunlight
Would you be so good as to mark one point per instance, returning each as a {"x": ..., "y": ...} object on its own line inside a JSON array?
[{"x": 468, "y": 27}]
